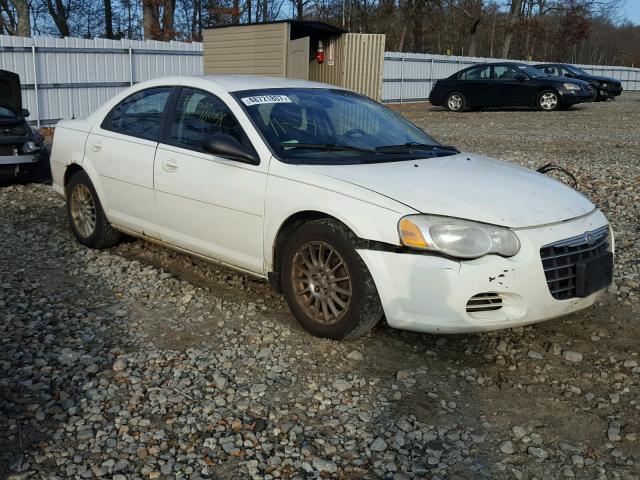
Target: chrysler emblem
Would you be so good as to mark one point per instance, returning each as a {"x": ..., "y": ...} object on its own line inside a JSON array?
[{"x": 589, "y": 238}]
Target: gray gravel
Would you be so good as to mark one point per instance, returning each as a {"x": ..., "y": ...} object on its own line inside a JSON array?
[{"x": 139, "y": 362}]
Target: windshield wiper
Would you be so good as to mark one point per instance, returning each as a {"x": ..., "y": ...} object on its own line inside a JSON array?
[
  {"x": 412, "y": 147},
  {"x": 329, "y": 147}
]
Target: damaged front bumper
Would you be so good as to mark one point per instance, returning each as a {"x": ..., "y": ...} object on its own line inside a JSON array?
[
  {"x": 429, "y": 293},
  {"x": 17, "y": 159}
]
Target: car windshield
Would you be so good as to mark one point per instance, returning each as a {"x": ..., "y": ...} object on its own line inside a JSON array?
[
  {"x": 532, "y": 71},
  {"x": 6, "y": 113},
  {"x": 322, "y": 125},
  {"x": 576, "y": 70}
]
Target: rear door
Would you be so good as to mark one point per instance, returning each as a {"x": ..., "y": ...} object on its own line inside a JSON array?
[
  {"x": 204, "y": 203},
  {"x": 122, "y": 152},
  {"x": 474, "y": 84}
]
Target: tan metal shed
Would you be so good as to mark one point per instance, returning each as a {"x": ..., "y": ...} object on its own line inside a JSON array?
[{"x": 288, "y": 49}]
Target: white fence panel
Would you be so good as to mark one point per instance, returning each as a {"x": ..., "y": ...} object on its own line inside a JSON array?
[
  {"x": 71, "y": 77},
  {"x": 409, "y": 77}
]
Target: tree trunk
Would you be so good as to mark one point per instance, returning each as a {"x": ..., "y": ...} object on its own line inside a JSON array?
[
  {"x": 514, "y": 11},
  {"x": 474, "y": 38},
  {"x": 299, "y": 9},
  {"x": 108, "y": 19},
  {"x": 59, "y": 15},
  {"x": 235, "y": 14},
  {"x": 150, "y": 20},
  {"x": 24, "y": 23},
  {"x": 168, "y": 16},
  {"x": 249, "y": 11}
]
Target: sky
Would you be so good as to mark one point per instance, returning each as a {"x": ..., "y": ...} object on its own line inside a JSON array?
[{"x": 632, "y": 11}]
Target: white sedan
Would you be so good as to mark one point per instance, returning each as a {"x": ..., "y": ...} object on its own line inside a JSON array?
[{"x": 349, "y": 209}]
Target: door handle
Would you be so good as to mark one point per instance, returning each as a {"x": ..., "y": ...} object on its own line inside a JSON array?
[
  {"x": 96, "y": 146},
  {"x": 169, "y": 165}
]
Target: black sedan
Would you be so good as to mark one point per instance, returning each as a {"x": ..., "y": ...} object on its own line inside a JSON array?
[
  {"x": 508, "y": 84},
  {"x": 23, "y": 154},
  {"x": 606, "y": 87}
]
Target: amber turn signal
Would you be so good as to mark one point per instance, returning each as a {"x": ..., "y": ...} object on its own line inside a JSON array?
[{"x": 410, "y": 234}]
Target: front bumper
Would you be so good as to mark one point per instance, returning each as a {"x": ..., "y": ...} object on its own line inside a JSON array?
[
  {"x": 17, "y": 159},
  {"x": 610, "y": 92},
  {"x": 428, "y": 293},
  {"x": 569, "y": 97}
]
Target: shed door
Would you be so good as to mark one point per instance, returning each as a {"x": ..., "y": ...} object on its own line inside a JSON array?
[{"x": 298, "y": 58}]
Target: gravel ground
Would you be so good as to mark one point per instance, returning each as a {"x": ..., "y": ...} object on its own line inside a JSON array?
[{"x": 140, "y": 362}]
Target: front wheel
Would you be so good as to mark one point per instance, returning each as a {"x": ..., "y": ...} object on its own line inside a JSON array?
[
  {"x": 85, "y": 214},
  {"x": 456, "y": 102},
  {"x": 548, "y": 101},
  {"x": 326, "y": 283}
]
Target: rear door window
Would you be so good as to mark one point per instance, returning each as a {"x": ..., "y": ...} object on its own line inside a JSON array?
[
  {"x": 139, "y": 115},
  {"x": 479, "y": 73}
]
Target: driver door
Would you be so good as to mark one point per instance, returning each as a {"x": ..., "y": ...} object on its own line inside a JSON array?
[
  {"x": 207, "y": 204},
  {"x": 506, "y": 90}
]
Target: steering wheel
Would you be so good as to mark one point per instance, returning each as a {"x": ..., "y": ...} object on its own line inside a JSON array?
[{"x": 354, "y": 132}]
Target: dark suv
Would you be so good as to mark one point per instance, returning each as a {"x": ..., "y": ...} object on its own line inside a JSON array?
[
  {"x": 23, "y": 155},
  {"x": 606, "y": 87}
]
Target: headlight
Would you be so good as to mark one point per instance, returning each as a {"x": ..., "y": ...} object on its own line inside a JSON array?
[
  {"x": 29, "y": 147},
  {"x": 456, "y": 237},
  {"x": 571, "y": 86}
]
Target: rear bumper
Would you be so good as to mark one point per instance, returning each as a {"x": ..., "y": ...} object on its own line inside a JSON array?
[{"x": 428, "y": 293}]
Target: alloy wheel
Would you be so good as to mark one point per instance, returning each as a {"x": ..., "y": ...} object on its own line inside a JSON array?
[
  {"x": 454, "y": 102},
  {"x": 83, "y": 210},
  {"x": 321, "y": 282},
  {"x": 548, "y": 101}
]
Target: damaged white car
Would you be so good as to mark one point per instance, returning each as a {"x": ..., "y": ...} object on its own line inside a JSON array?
[{"x": 349, "y": 209}]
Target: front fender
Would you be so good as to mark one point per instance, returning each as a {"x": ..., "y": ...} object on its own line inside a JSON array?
[{"x": 367, "y": 218}]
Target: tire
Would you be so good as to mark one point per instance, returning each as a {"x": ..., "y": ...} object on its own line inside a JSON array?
[
  {"x": 548, "y": 101},
  {"x": 312, "y": 296},
  {"x": 83, "y": 205},
  {"x": 456, "y": 102}
]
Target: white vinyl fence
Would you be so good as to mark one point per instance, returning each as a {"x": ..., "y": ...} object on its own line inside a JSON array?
[
  {"x": 71, "y": 77},
  {"x": 409, "y": 77}
]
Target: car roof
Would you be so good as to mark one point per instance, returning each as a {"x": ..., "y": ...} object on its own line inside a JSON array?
[
  {"x": 235, "y": 83},
  {"x": 495, "y": 64}
]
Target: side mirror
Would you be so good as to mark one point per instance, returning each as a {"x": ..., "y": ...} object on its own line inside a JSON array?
[
  {"x": 24, "y": 113},
  {"x": 520, "y": 77},
  {"x": 569, "y": 75},
  {"x": 227, "y": 146}
]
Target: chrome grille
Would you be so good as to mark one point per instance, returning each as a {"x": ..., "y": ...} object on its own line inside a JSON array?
[{"x": 559, "y": 260}]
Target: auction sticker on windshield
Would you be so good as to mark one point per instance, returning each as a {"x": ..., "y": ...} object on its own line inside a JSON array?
[{"x": 260, "y": 99}]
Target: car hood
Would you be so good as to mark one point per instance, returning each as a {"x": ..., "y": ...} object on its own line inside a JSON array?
[
  {"x": 604, "y": 79},
  {"x": 10, "y": 93},
  {"x": 558, "y": 78},
  {"x": 467, "y": 186}
]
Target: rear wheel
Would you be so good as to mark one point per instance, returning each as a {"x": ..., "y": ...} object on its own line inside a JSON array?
[
  {"x": 326, "y": 283},
  {"x": 548, "y": 100},
  {"x": 456, "y": 102},
  {"x": 86, "y": 216}
]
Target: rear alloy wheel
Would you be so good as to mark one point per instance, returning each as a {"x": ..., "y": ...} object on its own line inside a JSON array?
[
  {"x": 548, "y": 101},
  {"x": 85, "y": 213},
  {"x": 456, "y": 102},
  {"x": 326, "y": 283}
]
